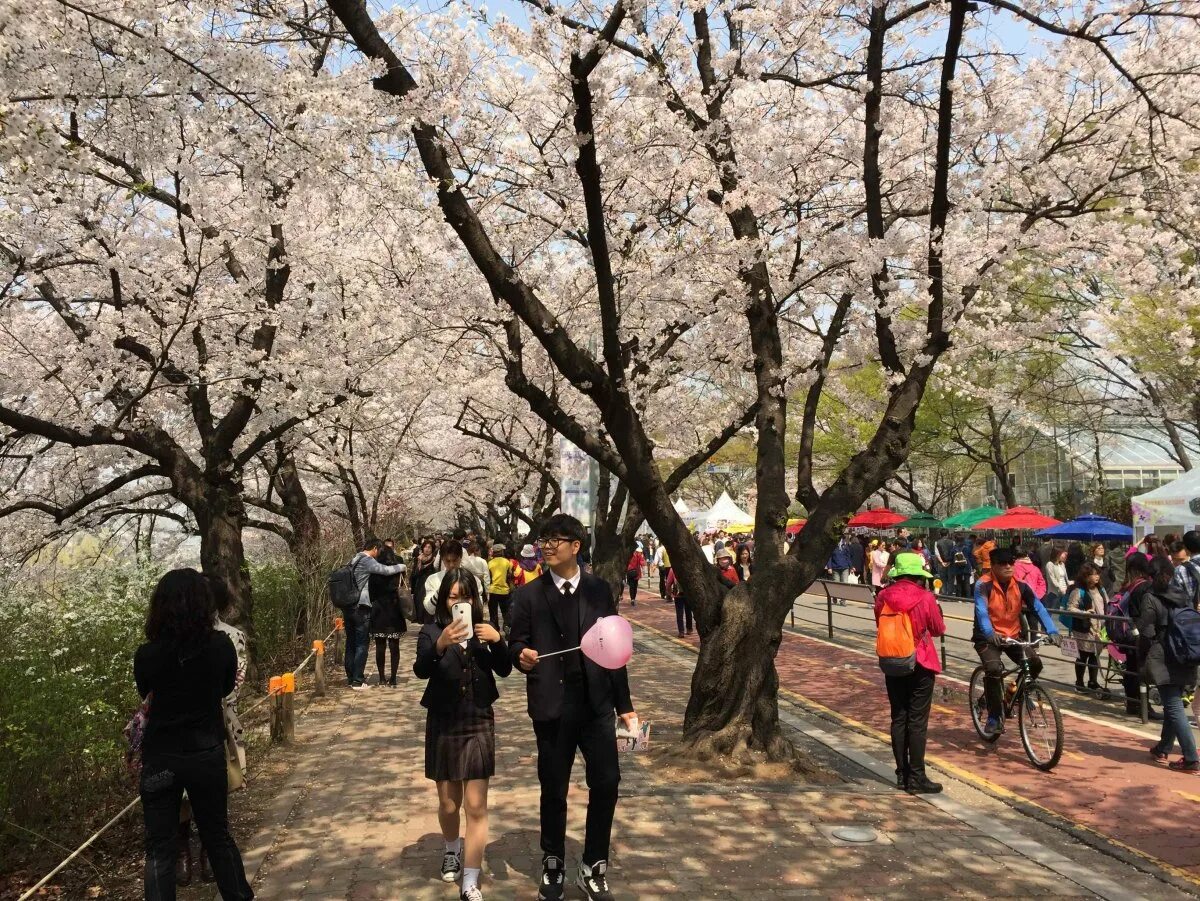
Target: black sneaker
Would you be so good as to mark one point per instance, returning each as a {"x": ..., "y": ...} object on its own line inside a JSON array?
[
  {"x": 923, "y": 785},
  {"x": 554, "y": 879},
  {"x": 451, "y": 866},
  {"x": 593, "y": 882},
  {"x": 1182, "y": 766}
]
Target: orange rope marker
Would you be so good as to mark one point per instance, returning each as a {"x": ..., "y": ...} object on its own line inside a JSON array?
[
  {"x": 288, "y": 683},
  {"x": 275, "y": 686},
  {"x": 319, "y": 648}
]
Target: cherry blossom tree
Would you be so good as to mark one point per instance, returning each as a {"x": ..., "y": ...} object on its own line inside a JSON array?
[{"x": 847, "y": 179}]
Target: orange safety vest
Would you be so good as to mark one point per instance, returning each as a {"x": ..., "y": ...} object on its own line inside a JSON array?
[{"x": 1004, "y": 607}]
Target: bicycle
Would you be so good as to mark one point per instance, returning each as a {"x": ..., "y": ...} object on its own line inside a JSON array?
[{"x": 1038, "y": 716}]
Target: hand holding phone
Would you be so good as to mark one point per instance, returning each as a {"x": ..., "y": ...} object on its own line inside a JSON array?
[{"x": 461, "y": 613}]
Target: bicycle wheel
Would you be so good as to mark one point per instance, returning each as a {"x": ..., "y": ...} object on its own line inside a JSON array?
[
  {"x": 1041, "y": 728},
  {"x": 977, "y": 704}
]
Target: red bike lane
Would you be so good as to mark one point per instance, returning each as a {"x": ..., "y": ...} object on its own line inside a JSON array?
[{"x": 1106, "y": 781}]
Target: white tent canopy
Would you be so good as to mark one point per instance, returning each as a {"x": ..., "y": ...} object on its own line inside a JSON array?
[
  {"x": 723, "y": 513},
  {"x": 1175, "y": 505},
  {"x": 681, "y": 507}
]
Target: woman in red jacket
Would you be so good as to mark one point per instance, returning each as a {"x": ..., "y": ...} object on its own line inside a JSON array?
[
  {"x": 911, "y": 694},
  {"x": 633, "y": 574}
]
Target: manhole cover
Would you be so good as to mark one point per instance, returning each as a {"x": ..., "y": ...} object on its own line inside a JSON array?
[{"x": 857, "y": 834}]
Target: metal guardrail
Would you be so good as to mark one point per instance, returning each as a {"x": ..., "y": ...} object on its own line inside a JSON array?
[{"x": 847, "y": 593}]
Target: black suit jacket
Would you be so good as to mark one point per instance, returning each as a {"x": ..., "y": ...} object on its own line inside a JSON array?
[
  {"x": 537, "y": 623},
  {"x": 447, "y": 674}
]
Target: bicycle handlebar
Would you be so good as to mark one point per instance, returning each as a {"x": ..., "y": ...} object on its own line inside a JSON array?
[{"x": 1040, "y": 640}]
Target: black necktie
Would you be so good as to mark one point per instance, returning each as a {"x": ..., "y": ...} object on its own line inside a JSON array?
[{"x": 566, "y": 591}]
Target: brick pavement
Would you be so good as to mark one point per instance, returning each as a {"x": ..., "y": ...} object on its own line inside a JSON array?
[
  {"x": 1105, "y": 783},
  {"x": 359, "y": 819}
]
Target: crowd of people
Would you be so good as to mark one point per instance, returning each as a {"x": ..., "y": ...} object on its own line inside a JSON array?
[
  {"x": 483, "y": 609},
  {"x": 1130, "y": 599}
]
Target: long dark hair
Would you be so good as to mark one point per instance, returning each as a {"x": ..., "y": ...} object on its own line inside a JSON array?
[
  {"x": 181, "y": 610},
  {"x": 468, "y": 590}
]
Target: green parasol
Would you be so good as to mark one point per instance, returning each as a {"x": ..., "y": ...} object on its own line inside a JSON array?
[
  {"x": 923, "y": 521},
  {"x": 968, "y": 518}
]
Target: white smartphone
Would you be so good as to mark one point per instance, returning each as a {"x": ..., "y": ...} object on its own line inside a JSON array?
[{"x": 462, "y": 612}]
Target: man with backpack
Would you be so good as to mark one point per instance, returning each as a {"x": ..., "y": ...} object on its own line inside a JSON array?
[
  {"x": 349, "y": 590},
  {"x": 1169, "y": 646},
  {"x": 908, "y": 619}
]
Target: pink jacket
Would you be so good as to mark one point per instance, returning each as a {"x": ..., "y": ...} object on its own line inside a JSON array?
[
  {"x": 1025, "y": 570},
  {"x": 922, "y": 608}
]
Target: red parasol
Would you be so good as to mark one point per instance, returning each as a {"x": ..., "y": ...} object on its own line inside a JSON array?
[
  {"x": 880, "y": 518},
  {"x": 1017, "y": 518},
  {"x": 795, "y": 525}
]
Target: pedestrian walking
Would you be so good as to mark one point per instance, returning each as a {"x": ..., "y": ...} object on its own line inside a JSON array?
[
  {"x": 501, "y": 570},
  {"x": 879, "y": 562},
  {"x": 387, "y": 619},
  {"x": 185, "y": 670},
  {"x": 461, "y": 663},
  {"x": 745, "y": 563},
  {"x": 1129, "y": 601},
  {"x": 529, "y": 568},
  {"x": 1057, "y": 583},
  {"x": 662, "y": 564},
  {"x": 1025, "y": 570},
  {"x": 633, "y": 574},
  {"x": 424, "y": 565},
  {"x": 1087, "y": 596},
  {"x": 1161, "y": 606},
  {"x": 908, "y": 619},
  {"x": 840, "y": 563},
  {"x": 683, "y": 607},
  {"x": 572, "y": 703},
  {"x": 725, "y": 568},
  {"x": 358, "y": 617}
]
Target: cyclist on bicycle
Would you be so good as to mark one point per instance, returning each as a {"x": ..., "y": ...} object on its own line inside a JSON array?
[{"x": 1003, "y": 606}]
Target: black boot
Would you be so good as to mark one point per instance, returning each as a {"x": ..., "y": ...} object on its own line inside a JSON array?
[{"x": 920, "y": 784}]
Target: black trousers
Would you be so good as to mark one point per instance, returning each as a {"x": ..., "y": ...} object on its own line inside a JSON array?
[
  {"x": 596, "y": 738},
  {"x": 683, "y": 613},
  {"x": 993, "y": 666},
  {"x": 202, "y": 774},
  {"x": 663, "y": 572},
  {"x": 911, "y": 698}
]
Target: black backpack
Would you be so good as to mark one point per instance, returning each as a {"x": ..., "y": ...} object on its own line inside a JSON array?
[{"x": 344, "y": 592}]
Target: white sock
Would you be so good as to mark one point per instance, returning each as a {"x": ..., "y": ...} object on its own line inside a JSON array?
[
  {"x": 454, "y": 847},
  {"x": 470, "y": 879}
]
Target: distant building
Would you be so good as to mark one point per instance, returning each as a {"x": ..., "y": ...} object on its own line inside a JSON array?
[{"x": 1086, "y": 463}]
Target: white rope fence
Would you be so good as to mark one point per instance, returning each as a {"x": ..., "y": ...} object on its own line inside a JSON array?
[{"x": 138, "y": 800}]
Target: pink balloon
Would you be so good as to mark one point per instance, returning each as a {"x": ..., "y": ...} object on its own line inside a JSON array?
[{"x": 609, "y": 643}]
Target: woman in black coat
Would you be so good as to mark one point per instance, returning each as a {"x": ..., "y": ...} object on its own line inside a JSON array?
[
  {"x": 184, "y": 670},
  {"x": 460, "y": 732},
  {"x": 387, "y": 619},
  {"x": 1160, "y": 605},
  {"x": 423, "y": 566}
]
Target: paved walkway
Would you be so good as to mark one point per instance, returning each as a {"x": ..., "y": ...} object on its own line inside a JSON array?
[
  {"x": 1106, "y": 781},
  {"x": 357, "y": 819}
]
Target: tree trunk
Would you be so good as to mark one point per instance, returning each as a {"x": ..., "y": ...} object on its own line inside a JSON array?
[
  {"x": 219, "y": 519},
  {"x": 305, "y": 543}
]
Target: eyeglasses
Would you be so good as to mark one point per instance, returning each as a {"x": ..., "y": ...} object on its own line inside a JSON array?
[{"x": 549, "y": 544}]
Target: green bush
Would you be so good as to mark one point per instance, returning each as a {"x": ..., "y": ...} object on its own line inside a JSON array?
[{"x": 66, "y": 689}]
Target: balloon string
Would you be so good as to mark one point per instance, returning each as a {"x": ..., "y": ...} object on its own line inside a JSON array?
[{"x": 556, "y": 653}]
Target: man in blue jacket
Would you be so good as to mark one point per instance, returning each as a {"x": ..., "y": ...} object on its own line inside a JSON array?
[{"x": 1004, "y": 606}]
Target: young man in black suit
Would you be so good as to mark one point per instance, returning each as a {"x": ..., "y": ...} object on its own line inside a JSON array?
[{"x": 571, "y": 703}]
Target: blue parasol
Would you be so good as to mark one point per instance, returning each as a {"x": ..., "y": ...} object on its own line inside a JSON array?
[{"x": 1089, "y": 527}]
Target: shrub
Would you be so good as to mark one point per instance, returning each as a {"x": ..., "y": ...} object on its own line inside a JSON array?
[{"x": 66, "y": 689}]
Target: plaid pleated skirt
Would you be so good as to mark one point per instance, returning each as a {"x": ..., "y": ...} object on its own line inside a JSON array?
[{"x": 461, "y": 744}]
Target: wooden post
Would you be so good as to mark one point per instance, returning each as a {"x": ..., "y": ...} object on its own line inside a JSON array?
[
  {"x": 276, "y": 689},
  {"x": 319, "y": 669},
  {"x": 288, "y": 706}
]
